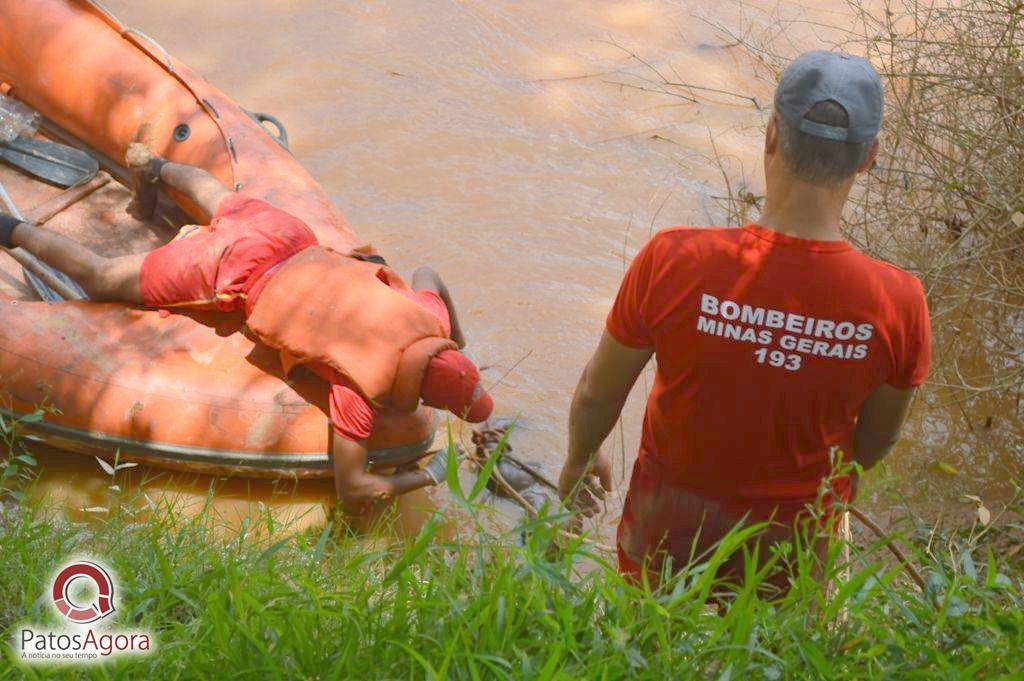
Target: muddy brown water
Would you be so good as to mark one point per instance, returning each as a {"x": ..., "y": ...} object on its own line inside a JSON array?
[{"x": 515, "y": 147}]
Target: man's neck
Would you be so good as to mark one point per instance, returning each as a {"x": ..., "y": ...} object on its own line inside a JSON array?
[{"x": 804, "y": 210}]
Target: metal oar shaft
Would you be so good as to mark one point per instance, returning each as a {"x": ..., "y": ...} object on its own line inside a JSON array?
[
  {"x": 36, "y": 267},
  {"x": 31, "y": 262}
]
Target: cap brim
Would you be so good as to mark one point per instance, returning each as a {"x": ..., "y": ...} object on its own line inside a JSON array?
[{"x": 481, "y": 409}]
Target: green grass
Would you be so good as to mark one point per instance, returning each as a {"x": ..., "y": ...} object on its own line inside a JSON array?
[{"x": 322, "y": 605}]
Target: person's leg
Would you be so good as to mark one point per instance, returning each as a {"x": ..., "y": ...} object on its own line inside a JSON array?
[
  {"x": 196, "y": 184},
  {"x": 104, "y": 279},
  {"x": 199, "y": 186}
]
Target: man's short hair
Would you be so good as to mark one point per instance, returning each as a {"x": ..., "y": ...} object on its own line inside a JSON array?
[{"x": 818, "y": 160}]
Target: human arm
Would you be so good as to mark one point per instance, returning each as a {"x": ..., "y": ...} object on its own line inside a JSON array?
[
  {"x": 596, "y": 405},
  {"x": 352, "y": 419},
  {"x": 427, "y": 279},
  {"x": 879, "y": 423},
  {"x": 883, "y": 413},
  {"x": 357, "y": 488}
]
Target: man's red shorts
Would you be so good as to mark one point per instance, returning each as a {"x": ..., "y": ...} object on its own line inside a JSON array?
[{"x": 214, "y": 266}]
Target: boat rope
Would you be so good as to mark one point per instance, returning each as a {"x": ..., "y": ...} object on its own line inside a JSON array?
[{"x": 154, "y": 43}]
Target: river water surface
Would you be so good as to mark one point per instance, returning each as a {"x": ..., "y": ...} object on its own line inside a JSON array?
[{"x": 517, "y": 148}]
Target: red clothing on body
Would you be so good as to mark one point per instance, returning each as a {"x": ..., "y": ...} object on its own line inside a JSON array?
[
  {"x": 213, "y": 266},
  {"x": 767, "y": 346},
  {"x": 351, "y": 415},
  {"x": 227, "y": 264}
]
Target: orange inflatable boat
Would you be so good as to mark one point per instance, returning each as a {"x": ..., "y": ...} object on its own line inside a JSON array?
[{"x": 182, "y": 392}]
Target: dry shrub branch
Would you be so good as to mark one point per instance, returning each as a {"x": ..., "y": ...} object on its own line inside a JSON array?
[{"x": 946, "y": 199}]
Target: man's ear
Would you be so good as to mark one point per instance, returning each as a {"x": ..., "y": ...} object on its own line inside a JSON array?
[
  {"x": 771, "y": 136},
  {"x": 869, "y": 160}
]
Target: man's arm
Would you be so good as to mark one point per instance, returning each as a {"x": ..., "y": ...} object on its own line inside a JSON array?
[
  {"x": 596, "y": 405},
  {"x": 358, "y": 489},
  {"x": 879, "y": 423},
  {"x": 427, "y": 279}
]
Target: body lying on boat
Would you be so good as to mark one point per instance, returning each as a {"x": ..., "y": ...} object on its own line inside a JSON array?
[{"x": 184, "y": 391}]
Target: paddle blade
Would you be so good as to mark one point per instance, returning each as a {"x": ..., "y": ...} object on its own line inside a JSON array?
[{"x": 58, "y": 164}]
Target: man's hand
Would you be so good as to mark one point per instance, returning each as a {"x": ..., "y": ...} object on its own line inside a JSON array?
[
  {"x": 583, "y": 488},
  {"x": 596, "y": 406}
]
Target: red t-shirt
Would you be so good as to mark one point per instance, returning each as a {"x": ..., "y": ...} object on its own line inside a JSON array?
[
  {"x": 351, "y": 415},
  {"x": 767, "y": 346}
]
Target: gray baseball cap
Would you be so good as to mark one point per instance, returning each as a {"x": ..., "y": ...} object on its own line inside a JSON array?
[{"x": 819, "y": 76}]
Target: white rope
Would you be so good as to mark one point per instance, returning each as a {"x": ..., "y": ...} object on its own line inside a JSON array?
[{"x": 167, "y": 55}]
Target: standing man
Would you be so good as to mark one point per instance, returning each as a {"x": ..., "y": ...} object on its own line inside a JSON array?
[
  {"x": 349, "y": 318},
  {"x": 778, "y": 344}
]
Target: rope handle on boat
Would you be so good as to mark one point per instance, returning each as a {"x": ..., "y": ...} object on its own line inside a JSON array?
[{"x": 280, "y": 136}]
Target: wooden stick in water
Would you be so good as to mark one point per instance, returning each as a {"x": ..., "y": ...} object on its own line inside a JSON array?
[
  {"x": 911, "y": 569},
  {"x": 528, "y": 507},
  {"x": 495, "y": 433},
  {"x": 536, "y": 475}
]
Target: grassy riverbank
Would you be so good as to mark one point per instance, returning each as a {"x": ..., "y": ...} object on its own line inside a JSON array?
[{"x": 324, "y": 605}]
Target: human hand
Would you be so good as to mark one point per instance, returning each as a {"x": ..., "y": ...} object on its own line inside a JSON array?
[{"x": 582, "y": 488}]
